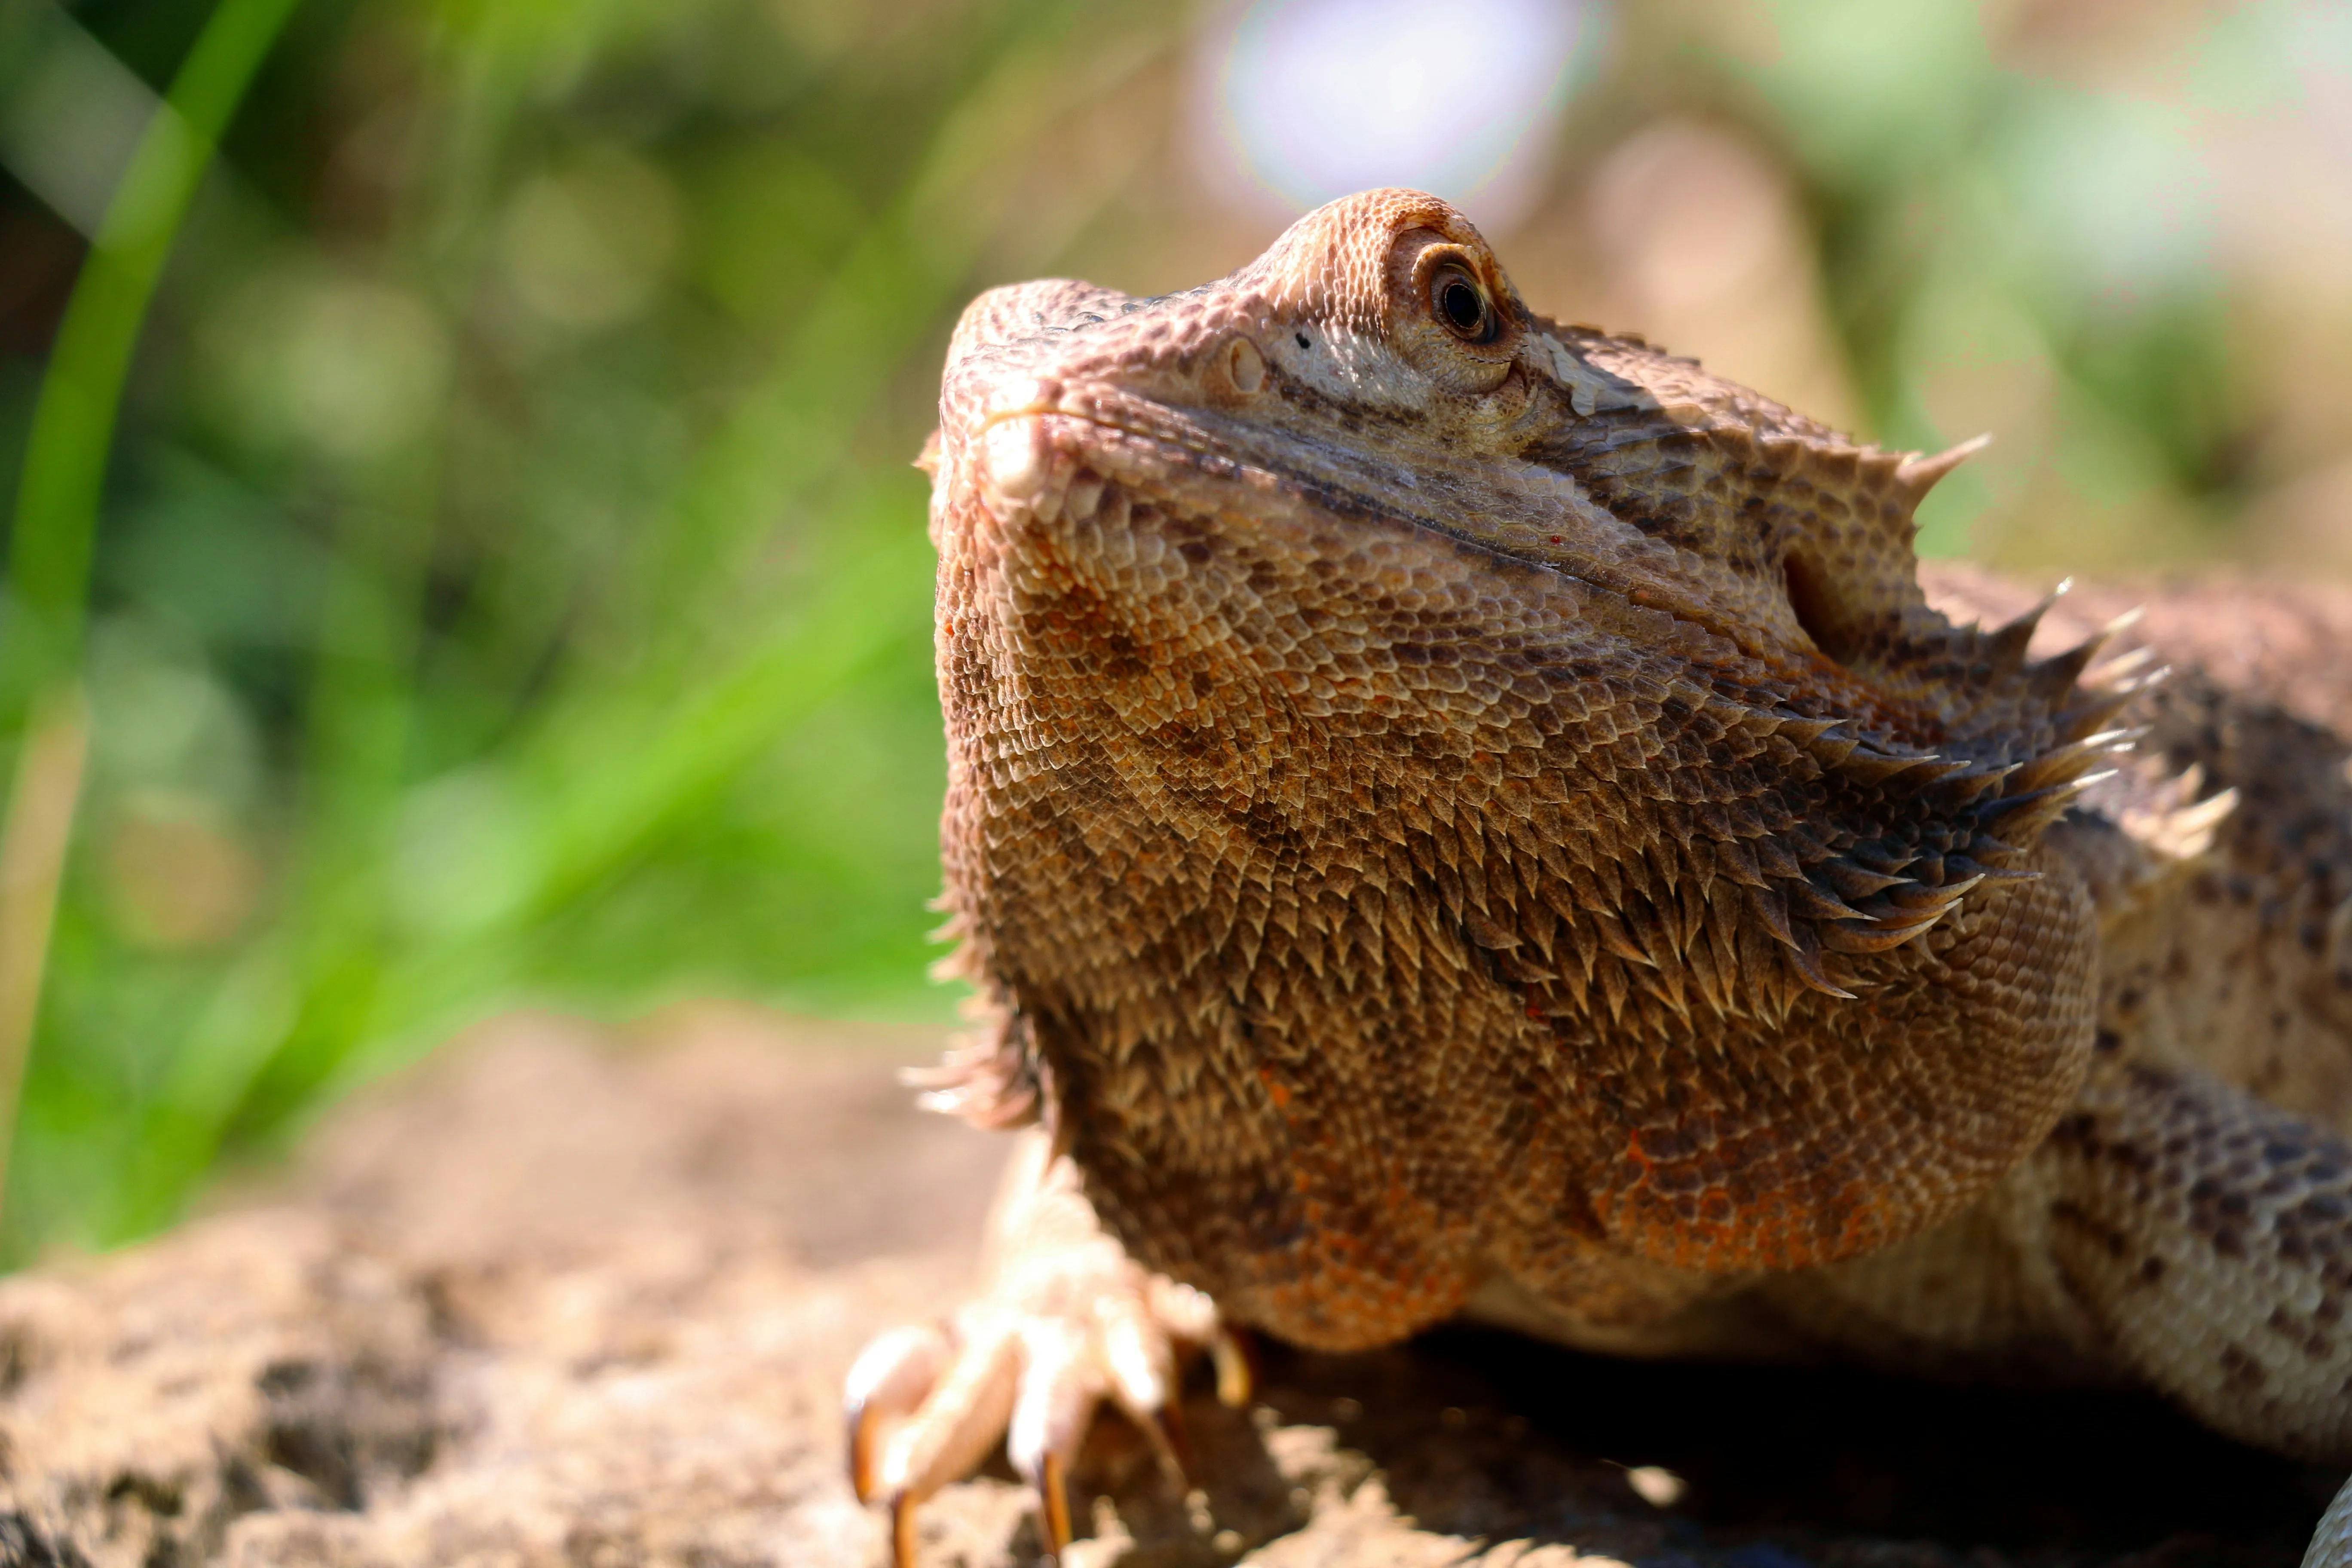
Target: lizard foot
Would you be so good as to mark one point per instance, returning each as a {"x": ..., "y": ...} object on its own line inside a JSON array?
[{"x": 1069, "y": 1320}]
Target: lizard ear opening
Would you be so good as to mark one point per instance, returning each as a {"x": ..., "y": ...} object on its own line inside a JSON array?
[{"x": 1817, "y": 608}]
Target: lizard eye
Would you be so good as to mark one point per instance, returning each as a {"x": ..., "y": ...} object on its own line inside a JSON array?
[{"x": 1462, "y": 305}]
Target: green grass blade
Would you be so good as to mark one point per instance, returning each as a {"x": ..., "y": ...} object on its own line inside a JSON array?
[
  {"x": 64, "y": 474},
  {"x": 73, "y": 422}
]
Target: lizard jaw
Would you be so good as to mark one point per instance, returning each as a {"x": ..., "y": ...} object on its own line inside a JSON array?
[{"x": 1043, "y": 444}]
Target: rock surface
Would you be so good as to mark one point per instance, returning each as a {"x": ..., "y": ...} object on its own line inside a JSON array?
[{"x": 566, "y": 1299}]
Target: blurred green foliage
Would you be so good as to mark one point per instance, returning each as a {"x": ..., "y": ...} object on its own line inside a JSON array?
[
  {"x": 512, "y": 582},
  {"x": 511, "y": 585}
]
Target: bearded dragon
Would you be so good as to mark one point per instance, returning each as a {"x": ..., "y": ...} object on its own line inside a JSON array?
[{"x": 1453, "y": 813}]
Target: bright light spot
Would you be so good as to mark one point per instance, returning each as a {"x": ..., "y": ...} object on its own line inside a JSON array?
[
  {"x": 354, "y": 368},
  {"x": 1298, "y": 101},
  {"x": 2117, "y": 194},
  {"x": 1655, "y": 1485},
  {"x": 461, "y": 853},
  {"x": 588, "y": 247}
]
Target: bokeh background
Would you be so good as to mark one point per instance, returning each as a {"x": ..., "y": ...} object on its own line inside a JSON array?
[{"x": 507, "y": 585}]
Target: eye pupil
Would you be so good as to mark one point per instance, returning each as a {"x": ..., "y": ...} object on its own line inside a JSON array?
[{"x": 1464, "y": 307}]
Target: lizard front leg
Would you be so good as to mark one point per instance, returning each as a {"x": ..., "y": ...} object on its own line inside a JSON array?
[
  {"x": 2207, "y": 1237},
  {"x": 1064, "y": 1320}
]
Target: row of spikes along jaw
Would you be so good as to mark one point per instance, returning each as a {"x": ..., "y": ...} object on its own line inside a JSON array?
[
  {"x": 1818, "y": 906},
  {"x": 2018, "y": 742}
]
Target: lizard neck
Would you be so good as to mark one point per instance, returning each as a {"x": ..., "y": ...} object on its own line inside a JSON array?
[{"x": 1371, "y": 944}]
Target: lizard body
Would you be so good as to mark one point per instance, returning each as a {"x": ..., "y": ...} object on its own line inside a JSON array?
[{"x": 1449, "y": 811}]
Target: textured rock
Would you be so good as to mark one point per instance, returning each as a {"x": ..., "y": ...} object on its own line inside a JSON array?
[{"x": 563, "y": 1299}]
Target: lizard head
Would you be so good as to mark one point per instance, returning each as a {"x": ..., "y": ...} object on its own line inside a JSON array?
[
  {"x": 1350, "y": 569},
  {"x": 1377, "y": 357}
]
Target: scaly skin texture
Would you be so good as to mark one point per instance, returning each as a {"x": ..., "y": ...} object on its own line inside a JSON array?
[{"x": 1451, "y": 811}]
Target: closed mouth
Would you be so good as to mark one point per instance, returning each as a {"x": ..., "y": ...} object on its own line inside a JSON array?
[
  {"x": 1146, "y": 440},
  {"x": 1146, "y": 434}
]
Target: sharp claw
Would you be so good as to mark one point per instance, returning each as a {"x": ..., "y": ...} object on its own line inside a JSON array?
[
  {"x": 863, "y": 1438},
  {"x": 890, "y": 1378},
  {"x": 1049, "y": 1420},
  {"x": 902, "y": 1530},
  {"x": 923, "y": 1407},
  {"x": 1068, "y": 1321},
  {"x": 1142, "y": 1368},
  {"x": 1053, "y": 1504},
  {"x": 1235, "y": 1379}
]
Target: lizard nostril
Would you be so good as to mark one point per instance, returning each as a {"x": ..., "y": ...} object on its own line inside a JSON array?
[{"x": 1244, "y": 366}]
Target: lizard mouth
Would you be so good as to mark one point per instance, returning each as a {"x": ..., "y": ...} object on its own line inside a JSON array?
[
  {"x": 1054, "y": 450},
  {"x": 1089, "y": 453},
  {"x": 1032, "y": 453},
  {"x": 1052, "y": 433}
]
